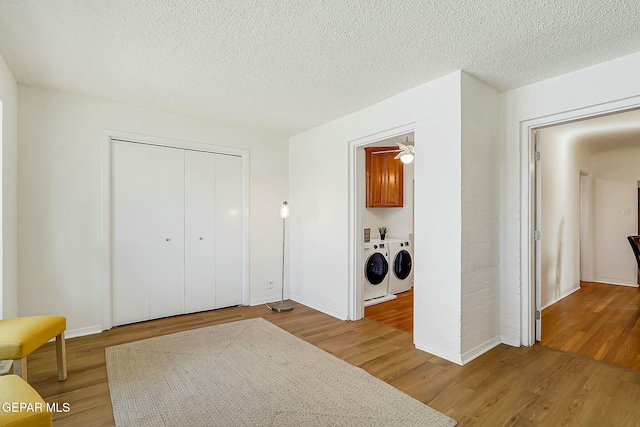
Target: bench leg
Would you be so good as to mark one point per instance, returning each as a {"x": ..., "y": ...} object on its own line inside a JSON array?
[
  {"x": 20, "y": 367},
  {"x": 61, "y": 356}
]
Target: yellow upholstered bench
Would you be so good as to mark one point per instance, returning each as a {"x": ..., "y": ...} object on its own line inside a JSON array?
[
  {"x": 20, "y": 405},
  {"x": 21, "y": 336}
]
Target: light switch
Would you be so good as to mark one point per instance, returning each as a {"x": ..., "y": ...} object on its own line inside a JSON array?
[{"x": 626, "y": 211}]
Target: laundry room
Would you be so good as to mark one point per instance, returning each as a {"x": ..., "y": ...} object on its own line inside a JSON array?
[{"x": 387, "y": 220}]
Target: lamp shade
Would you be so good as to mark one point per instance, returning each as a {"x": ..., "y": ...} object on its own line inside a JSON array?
[
  {"x": 406, "y": 158},
  {"x": 284, "y": 210}
]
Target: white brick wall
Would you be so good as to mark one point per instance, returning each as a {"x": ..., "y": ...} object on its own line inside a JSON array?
[{"x": 480, "y": 281}]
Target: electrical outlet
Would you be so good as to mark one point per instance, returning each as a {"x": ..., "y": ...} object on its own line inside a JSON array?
[
  {"x": 626, "y": 211},
  {"x": 270, "y": 284}
]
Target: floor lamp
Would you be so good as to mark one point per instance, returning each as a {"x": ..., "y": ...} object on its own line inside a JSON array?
[{"x": 282, "y": 306}]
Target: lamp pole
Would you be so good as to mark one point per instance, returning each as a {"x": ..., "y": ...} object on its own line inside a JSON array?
[{"x": 282, "y": 306}]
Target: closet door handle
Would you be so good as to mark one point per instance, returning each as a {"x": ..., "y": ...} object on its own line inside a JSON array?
[
  {"x": 201, "y": 238},
  {"x": 168, "y": 240}
]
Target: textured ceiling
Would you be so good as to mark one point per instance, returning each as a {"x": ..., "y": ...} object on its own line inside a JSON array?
[{"x": 289, "y": 65}]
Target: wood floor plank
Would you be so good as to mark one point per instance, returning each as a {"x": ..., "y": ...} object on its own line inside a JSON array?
[
  {"x": 397, "y": 313},
  {"x": 526, "y": 386},
  {"x": 599, "y": 321}
]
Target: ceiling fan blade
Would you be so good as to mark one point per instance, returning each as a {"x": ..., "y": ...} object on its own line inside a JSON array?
[
  {"x": 399, "y": 155},
  {"x": 403, "y": 147}
]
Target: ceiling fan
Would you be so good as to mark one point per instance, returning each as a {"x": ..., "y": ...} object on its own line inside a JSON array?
[{"x": 406, "y": 154}]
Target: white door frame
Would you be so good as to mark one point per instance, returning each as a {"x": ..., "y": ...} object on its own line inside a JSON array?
[
  {"x": 356, "y": 210},
  {"x": 528, "y": 263},
  {"x": 107, "y": 136},
  {"x": 538, "y": 243}
]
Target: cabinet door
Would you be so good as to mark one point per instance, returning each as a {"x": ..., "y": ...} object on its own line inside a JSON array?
[
  {"x": 376, "y": 178},
  {"x": 130, "y": 233},
  {"x": 166, "y": 221},
  {"x": 228, "y": 230},
  {"x": 394, "y": 181},
  {"x": 200, "y": 231}
]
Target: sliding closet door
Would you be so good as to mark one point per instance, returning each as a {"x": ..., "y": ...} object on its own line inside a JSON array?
[
  {"x": 166, "y": 222},
  {"x": 200, "y": 231},
  {"x": 130, "y": 258},
  {"x": 228, "y": 231}
]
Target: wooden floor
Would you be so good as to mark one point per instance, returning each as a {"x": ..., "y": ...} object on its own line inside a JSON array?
[
  {"x": 507, "y": 386},
  {"x": 599, "y": 321},
  {"x": 397, "y": 313}
]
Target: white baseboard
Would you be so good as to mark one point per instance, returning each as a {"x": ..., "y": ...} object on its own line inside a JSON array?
[
  {"x": 512, "y": 341},
  {"x": 266, "y": 300},
  {"x": 606, "y": 281},
  {"x": 562, "y": 296},
  {"x": 81, "y": 332},
  {"x": 441, "y": 353},
  {"x": 464, "y": 358},
  {"x": 325, "y": 310},
  {"x": 480, "y": 350}
]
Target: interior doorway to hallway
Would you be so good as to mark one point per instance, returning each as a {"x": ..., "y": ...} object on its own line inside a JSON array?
[{"x": 586, "y": 278}]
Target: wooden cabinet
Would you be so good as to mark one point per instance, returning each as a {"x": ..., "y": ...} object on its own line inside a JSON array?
[{"x": 385, "y": 178}]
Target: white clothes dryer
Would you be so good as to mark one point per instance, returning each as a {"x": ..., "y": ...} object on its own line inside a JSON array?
[
  {"x": 401, "y": 266},
  {"x": 376, "y": 269}
]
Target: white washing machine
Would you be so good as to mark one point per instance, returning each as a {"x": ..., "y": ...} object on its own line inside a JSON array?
[
  {"x": 400, "y": 266},
  {"x": 376, "y": 270}
]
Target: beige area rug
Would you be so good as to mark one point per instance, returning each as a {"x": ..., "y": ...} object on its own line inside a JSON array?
[{"x": 250, "y": 373}]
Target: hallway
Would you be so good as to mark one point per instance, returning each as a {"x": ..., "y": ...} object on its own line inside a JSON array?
[{"x": 599, "y": 322}]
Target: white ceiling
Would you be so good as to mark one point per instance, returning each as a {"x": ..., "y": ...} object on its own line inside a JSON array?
[{"x": 289, "y": 65}]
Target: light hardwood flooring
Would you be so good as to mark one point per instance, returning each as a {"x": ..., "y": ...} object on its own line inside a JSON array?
[
  {"x": 507, "y": 386},
  {"x": 397, "y": 313},
  {"x": 599, "y": 321}
]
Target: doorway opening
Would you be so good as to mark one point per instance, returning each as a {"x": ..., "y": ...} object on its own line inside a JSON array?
[
  {"x": 387, "y": 219},
  {"x": 365, "y": 236},
  {"x": 586, "y": 198}
]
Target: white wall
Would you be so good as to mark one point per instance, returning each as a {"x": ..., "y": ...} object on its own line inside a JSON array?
[
  {"x": 399, "y": 221},
  {"x": 59, "y": 201},
  {"x": 561, "y": 162},
  {"x": 480, "y": 219},
  {"x": 603, "y": 87},
  {"x": 8, "y": 233},
  {"x": 616, "y": 175},
  {"x": 614, "y": 261},
  {"x": 319, "y": 186}
]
